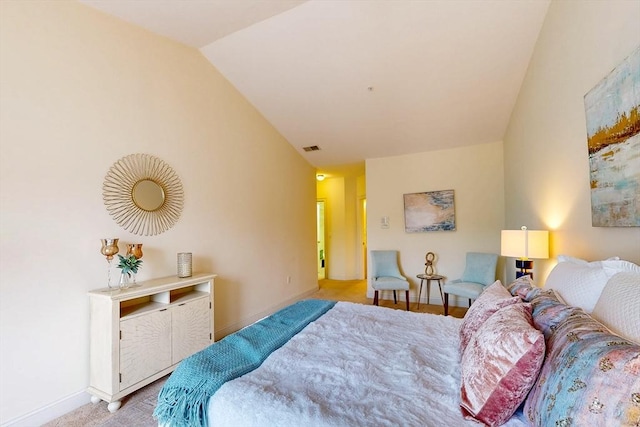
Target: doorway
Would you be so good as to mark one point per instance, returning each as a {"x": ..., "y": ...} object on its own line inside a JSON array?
[
  {"x": 320, "y": 254},
  {"x": 362, "y": 237}
]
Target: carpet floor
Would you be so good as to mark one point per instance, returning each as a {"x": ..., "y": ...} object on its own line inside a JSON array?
[
  {"x": 136, "y": 411},
  {"x": 137, "y": 408}
]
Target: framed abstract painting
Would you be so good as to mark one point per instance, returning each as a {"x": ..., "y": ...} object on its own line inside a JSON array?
[
  {"x": 429, "y": 211},
  {"x": 612, "y": 110}
]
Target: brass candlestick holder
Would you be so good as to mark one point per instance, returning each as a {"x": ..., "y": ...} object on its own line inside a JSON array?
[
  {"x": 134, "y": 249},
  {"x": 109, "y": 249}
]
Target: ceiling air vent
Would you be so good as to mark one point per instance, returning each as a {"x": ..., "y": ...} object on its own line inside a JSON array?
[{"x": 311, "y": 148}]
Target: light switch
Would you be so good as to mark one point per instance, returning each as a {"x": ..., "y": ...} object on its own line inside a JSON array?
[{"x": 384, "y": 222}]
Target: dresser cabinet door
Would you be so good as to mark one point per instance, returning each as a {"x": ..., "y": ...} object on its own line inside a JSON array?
[
  {"x": 145, "y": 346},
  {"x": 191, "y": 328}
]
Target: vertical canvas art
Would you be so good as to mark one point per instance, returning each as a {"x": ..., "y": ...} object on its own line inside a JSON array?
[
  {"x": 613, "y": 138},
  {"x": 430, "y": 211}
]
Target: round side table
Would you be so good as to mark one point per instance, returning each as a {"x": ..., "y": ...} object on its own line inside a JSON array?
[{"x": 429, "y": 278}]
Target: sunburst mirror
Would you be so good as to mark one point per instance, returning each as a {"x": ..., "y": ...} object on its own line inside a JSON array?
[{"x": 143, "y": 194}]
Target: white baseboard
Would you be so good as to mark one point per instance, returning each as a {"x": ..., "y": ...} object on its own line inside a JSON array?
[{"x": 51, "y": 411}]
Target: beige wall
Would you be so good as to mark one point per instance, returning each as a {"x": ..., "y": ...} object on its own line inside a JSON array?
[
  {"x": 546, "y": 160},
  {"x": 475, "y": 174},
  {"x": 79, "y": 90}
]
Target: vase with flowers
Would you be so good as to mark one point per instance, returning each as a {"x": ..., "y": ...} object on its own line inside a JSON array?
[{"x": 129, "y": 266}]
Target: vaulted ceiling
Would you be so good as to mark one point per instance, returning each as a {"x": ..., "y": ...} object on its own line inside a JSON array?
[{"x": 361, "y": 78}]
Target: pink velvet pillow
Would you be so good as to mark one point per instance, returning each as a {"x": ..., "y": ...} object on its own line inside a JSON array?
[
  {"x": 492, "y": 299},
  {"x": 500, "y": 365}
]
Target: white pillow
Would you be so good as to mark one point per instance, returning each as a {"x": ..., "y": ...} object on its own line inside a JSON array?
[
  {"x": 619, "y": 305},
  {"x": 578, "y": 284},
  {"x": 612, "y": 267},
  {"x": 567, "y": 258}
]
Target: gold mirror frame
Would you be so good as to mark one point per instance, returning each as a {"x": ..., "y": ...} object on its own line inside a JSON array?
[{"x": 118, "y": 193}]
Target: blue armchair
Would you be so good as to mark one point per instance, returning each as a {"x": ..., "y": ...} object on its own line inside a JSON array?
[
  {"x": 386, "y": 275},
  {"x": 479, "y": 272}
]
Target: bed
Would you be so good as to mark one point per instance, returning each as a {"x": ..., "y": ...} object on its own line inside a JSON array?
[{"x": 321, "y": 363}]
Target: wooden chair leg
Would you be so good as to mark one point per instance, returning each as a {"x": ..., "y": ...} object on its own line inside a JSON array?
[
  {"x": 375, "y": 298},
  {"x": 395, "y": 298},
  {"x": 446, "y": 304},
  {"x": 469, "y": 302},
  {"x": 407, "y": 298}
]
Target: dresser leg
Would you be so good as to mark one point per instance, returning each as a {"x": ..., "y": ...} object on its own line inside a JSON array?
[
  {"x": 95, "y": 399},
  {"x": 114, "y": 406}
]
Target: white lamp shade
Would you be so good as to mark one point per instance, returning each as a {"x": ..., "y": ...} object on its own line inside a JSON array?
[{"x": 525, "y": 243}]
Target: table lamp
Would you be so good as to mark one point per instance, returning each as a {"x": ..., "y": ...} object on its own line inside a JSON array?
[{"x": 524, "y": 244}]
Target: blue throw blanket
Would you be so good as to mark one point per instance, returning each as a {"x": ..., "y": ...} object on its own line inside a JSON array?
[{"x": 184, "y": 398}]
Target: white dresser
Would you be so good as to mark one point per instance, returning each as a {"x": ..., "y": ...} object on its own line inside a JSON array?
[{"x": 140, "y": 334}]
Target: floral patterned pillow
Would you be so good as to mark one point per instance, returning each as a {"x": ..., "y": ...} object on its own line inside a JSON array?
[
  {"x": 521, "y": 286},
  {"x": 548, "y": 311},
  {"x": 590, "y": 376}
]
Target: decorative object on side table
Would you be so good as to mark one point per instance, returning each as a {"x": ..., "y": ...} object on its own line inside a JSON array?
[
  {"x": 184, "y": 264},
  {"x": 430, "y": 258},
  {"x": 109, "y": 249},
  {"x": 129, "y": 265},
  {"x": 429, "y": 275}
]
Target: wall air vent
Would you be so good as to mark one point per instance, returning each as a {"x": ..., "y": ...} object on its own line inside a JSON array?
[{"x": 311, "y": 148}]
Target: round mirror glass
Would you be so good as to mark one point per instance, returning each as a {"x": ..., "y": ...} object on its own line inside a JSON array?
[{"x": 148, "y": 195}]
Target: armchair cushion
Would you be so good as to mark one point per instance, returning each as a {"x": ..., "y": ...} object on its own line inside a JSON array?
[
  {"x": 469, "y": 290},
  {"x": 480, "y": 268},
  {"x": 389, "y": 283}
]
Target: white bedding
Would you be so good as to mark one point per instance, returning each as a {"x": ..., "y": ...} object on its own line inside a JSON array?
[{"x": 357, "y": 365}]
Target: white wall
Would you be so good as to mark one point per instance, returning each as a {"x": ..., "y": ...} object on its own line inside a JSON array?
[
  {"x": 475, "y": 173},
  {"x": 546, "y": 159},
  {"x": 79, "y": 90}
]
